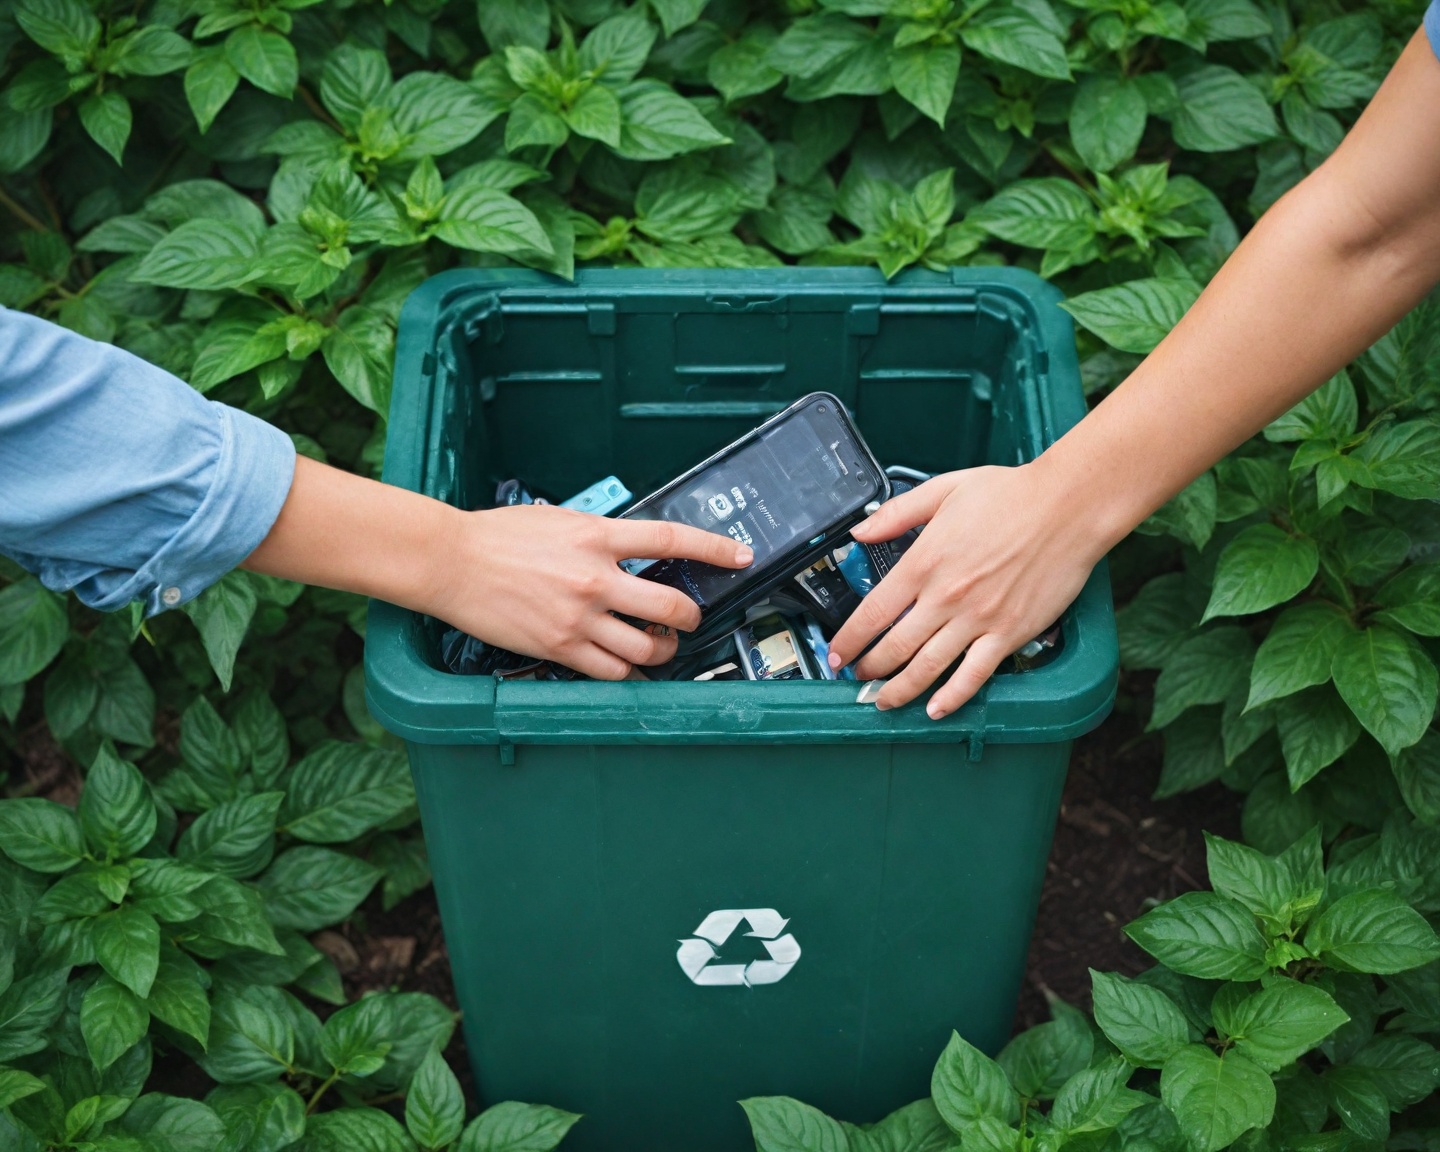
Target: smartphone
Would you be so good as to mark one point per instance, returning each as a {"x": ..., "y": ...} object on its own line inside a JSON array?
[{"x": 791, "y": 490}]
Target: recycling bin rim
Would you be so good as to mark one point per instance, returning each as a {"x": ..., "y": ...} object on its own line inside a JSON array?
[{"x": 424, "y": 704}]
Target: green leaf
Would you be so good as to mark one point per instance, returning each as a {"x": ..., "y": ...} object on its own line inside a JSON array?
[
  {"x": 151, "y": 50},
  {"x": 595, "y": 115},
  {"x": 22, "y": 136},
  {"x": 1190, "y": 516},
  {"x": 1417, "y": 771},
  {"x": 356, "y": 1039},
  {"x": 177, "y": 995},
  {"x": 1216, "y": 20},
  {"x": 1389, "y": 682},
  {"x": 506, "y": 22},
  {"x": 925, "y": 75},
  {"x": 515, "y": 1127},
  {"x": 1095, "y": 1099},
  {"x": 658, "y": 123},
  {"x": 33, "y": 629},
  {"x": 1025, "y": 34},
  {"x": 263, "y": 57},
  {"x": 435, "y": 114},
  {"x": 261, "y": 1117},
  {"x": 1040, "y": 1060},
  {"x": 1205, "y": 669},
  {"x": 1202, "y": 934},
  {"x": 485, "y": 220},
  {"x": 1403, "y": 459},
  {"x": 1219, "y": 110},
  {"x": 127, "y": 945},
  {"x": 1298, "y": 651},
  {"x": 675, "y": 203},
  {"x": 1194, "y": 752},
  {"x": 677, "y": 14},
  {"x": 1330, "y": 412},
  {"x": 116, "y": 812},
  {"x": 233, "y": 914},
  {"x": 434, "y": 1104},
  {"x": 1372, "y": 931},
  {"x": 311, "y": 888},
  {"x": 28, "y": 1011},
  {"x": 1282, "y": 890},
  {"x": 1261, "y": 567},
  {"x": 354, "y": 1130},
  {"x": 1047, "y": 213},
  {"x": 1404, "y": 1068},
  {"x": 340, "y": 791},
  {"x": 106, "y": 116},
  {"x": 1216, "y": 1099},
  {"x": 1316, "y": 729},
  {"x": 780, "y": 1124},
  {"x": 360, "y": 351},
  {"x": 1411, "y": 599},
  {"x": 1141, "y": 1021},
  {"x": 201, "y": 254},
  {"x": 64, "y": 28},
  {"x": 354, "y": 78},
  {"x": 222, "y": 615},
  {"x": 209, "y": 83},
  {"x": 616, "y": 49},
  {"x": 739, "y": 69},
  {"x": 112, "y": 1020},
  {"x": 1280, "y": 1023},
  {"x": 40, "y": 834},
  {"x": 1107, "y": 120},
  {"x": 252, "y": 1038},
  {"x": 16, "y": 1085},
  {"x": 966, "y": 1085},
  {"x": 1135, "y": 316},
  {"x": 234, "y": 839},
  {"x": 1359, "y": 1102}
]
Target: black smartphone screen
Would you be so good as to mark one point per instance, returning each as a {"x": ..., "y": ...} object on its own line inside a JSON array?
[{"x": 797, "y": 480}]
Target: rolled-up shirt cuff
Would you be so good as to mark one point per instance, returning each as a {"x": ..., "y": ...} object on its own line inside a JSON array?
[
  {"x": 253, "y": 474},
  {"x": 1432, "y": 26}
]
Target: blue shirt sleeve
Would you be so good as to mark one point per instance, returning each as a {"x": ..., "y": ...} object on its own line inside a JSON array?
[
  {"x": 1432, "y": 26},
  {"x": 119, "y": 481}
]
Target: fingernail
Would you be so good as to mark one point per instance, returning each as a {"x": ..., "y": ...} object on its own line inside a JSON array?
[
  {"x": 743, "y": 555},
  {"x": 934, "y": 711},
  {"x": 882, "y": 706},
  {"x": 833, "y": 660}
]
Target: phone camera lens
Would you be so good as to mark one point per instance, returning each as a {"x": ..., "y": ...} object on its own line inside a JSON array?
[
  {"x": 822, "y": 408},
  {"x": 861, "y": 478}
]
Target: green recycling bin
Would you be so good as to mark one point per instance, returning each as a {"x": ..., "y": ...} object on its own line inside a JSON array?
[{"x": 661, "y": 898}]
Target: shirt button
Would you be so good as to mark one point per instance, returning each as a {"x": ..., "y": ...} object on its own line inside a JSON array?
[{"x": 170, "y": 597}]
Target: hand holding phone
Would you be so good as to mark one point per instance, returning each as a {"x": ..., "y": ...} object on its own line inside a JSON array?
[{"x": 545, "y": 581}]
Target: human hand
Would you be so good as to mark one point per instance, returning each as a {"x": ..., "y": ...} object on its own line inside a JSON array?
[
  {"x": 1001, "y": 559},
  {"x": 544, "y": 581}
]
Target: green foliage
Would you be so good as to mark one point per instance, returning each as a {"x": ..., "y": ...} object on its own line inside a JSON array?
[
  {"x": 1261, "y": 1020},
  {"x": 123, "y": 941},
  {"x": 244, "y": 193}
]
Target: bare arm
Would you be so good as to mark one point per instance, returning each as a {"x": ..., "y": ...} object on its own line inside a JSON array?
[
  {"x": 536, "y": 579},
  {"x": 1326, "y": 272}
]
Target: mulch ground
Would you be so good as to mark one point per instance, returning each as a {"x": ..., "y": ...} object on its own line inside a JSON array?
[{"x": 1116, "y": 851}]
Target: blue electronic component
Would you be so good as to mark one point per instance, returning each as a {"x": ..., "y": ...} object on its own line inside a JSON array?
[{"x": 601, "y": 498}]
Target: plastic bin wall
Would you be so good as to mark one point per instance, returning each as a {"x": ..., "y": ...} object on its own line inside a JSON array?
[{"x": 660, "y": 898}]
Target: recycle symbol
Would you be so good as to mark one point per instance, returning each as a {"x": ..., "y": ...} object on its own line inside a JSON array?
[{"x": 766, "y": 925}]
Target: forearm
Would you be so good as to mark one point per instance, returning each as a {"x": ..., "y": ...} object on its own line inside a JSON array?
[
  {"x": 1323, "y": 275},
  {"x": 338, "y": 530}
]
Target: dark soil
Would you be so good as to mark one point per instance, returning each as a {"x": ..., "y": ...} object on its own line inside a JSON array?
[{"x": 1116, "y": 851}]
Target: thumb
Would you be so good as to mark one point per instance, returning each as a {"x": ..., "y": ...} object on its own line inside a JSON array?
[{"x": 914, "y": 508}]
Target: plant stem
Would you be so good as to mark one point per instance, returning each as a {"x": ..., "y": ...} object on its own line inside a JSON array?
[
  {"x": 319, "y": 1092},
  {"x": 22, "y": 213},
  {"x": 316, "y": 107}
]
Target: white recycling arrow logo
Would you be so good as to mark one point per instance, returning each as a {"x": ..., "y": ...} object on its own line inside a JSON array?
[{"x": 766, "y": 925}]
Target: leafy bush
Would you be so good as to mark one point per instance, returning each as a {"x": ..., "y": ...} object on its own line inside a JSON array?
[
  {"x": 244, "y": 193},
  {"x": 1278, "y": 962}
]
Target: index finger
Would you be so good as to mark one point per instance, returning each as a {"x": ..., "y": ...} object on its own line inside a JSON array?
[
  {"x": 877, "y": 612},
  {"x": 663, "y": 540}
]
